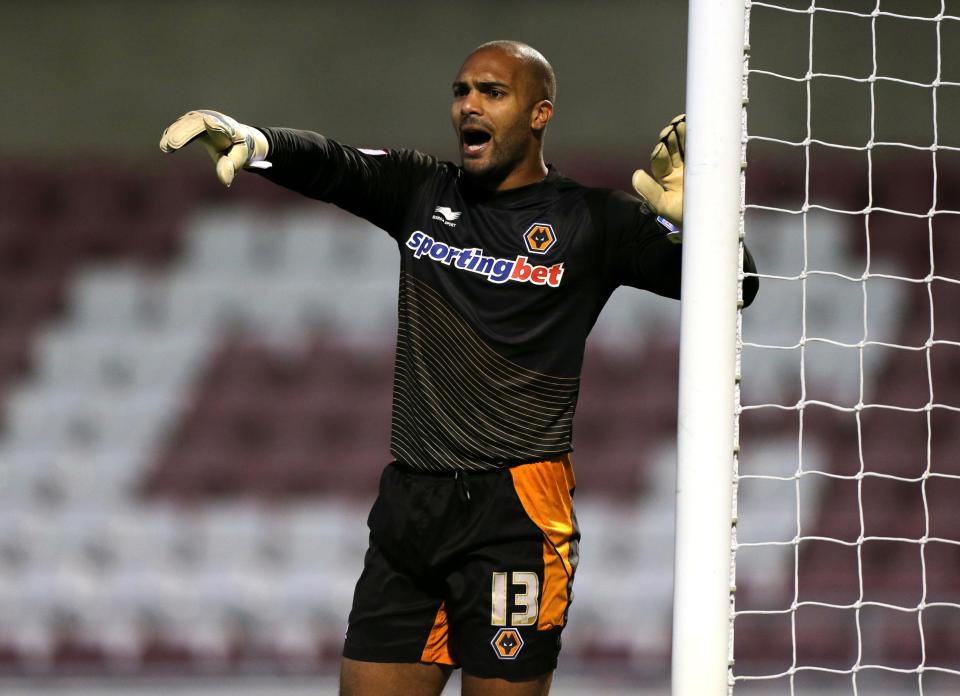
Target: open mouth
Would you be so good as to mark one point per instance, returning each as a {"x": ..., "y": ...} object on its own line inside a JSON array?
[{"x": 474, "y": 140}]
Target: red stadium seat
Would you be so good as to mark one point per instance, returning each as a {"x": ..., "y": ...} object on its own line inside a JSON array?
[
  {"x": 828, "y": 572},
  {"x": 941, "y": 637}
]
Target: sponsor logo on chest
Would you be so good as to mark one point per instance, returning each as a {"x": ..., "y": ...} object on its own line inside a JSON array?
[{"x": 473, "y": 260}]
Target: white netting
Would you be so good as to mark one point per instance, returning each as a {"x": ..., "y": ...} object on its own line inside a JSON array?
[{"x": 847, "y": 546}]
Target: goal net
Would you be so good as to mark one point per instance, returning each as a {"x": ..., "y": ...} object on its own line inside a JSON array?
[{"x": 847, "y": 483}]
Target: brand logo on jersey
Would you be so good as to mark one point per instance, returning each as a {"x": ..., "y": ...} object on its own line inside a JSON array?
[
  {"x": 446, "y": 215},
  {"x": 507, "y": 643},
  {"x": 473, "y": 260},
  {"x": 539, "y": 237}
]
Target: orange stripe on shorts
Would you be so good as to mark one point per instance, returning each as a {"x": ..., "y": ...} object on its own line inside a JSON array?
[
  {"x": 436, "y": 649},
  {"x": 545, "y": 491}
]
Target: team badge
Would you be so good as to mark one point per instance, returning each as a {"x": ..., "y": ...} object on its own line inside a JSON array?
[
  {"x": 539, "y": 237},
  {"x": 507, "y": 643}
]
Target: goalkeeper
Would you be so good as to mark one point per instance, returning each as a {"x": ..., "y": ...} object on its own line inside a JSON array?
[{"x": 505, "y": 266}]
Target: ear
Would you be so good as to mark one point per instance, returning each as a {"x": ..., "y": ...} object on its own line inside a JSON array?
[{"x": 541, "y": 114}]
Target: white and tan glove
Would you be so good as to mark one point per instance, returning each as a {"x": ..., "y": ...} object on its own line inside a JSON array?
[
  {"x": 663, "y": 192},
  {"x": 233, "y": 146}
]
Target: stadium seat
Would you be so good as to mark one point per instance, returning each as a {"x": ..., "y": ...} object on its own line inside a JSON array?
[
  {"x": 941, "y": 639},
  {"x": 892, "y": 572}
]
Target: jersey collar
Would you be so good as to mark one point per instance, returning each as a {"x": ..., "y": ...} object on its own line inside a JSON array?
[{"x": 512, "y": 198}]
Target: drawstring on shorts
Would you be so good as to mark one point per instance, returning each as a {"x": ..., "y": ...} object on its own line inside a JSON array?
[{"x": 463, "y": 487}]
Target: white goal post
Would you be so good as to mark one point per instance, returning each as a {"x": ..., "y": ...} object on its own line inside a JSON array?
[
  {"x": 711, "y": 244},
  {"x": 831, "y": 542}
]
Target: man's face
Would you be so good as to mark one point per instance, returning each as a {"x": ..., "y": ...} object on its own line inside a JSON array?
[{"x": 491, "y": 114}]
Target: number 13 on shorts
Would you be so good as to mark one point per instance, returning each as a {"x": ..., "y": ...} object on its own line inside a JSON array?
[{"x": 526, "y": 599}]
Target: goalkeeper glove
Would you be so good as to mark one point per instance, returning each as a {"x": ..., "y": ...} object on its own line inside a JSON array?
[
  {"x": 664, "y": 190},
  {"x": 232, "y": 145}
]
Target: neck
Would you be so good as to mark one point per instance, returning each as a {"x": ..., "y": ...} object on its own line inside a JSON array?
[
  {"x": 526, "y": 173},
  {"x": 521, "y": 175}
]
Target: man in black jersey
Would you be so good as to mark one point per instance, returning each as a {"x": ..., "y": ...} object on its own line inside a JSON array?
[{"x": 505, "y": 266}]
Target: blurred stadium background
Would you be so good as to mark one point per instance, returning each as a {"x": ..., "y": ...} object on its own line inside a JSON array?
[{"x": 195, "y": 383}]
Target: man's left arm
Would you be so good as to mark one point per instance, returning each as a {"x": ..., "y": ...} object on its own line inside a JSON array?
[
  {"x": 646, "y": 235},
  {"x": 644, "y": 251}
]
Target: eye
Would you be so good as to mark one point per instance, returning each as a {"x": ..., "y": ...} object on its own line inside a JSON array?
[
  {"x": 495, "y": 93},
  {"x": 460, "y": 90}
]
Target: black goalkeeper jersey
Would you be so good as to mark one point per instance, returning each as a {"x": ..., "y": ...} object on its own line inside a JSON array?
[{"x": 498, "y": 291}]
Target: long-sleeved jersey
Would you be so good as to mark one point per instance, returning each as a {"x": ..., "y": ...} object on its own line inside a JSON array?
[{"x": 498, "y": 291}]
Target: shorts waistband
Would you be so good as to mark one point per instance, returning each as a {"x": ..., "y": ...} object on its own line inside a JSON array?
[{"x": 455, "y": 473}]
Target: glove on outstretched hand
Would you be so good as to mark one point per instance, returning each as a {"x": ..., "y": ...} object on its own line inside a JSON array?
[
  {"x": 663, "y": 192},
  {"x": 232, "y": 145}
]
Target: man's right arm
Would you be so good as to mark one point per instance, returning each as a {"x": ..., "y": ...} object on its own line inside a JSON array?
[
  {"x": 377, "y": 185},
  {"x": 374, "y": 184}
]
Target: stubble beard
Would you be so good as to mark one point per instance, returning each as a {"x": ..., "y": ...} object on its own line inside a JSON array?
[{"x": 500, "y": 163}]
